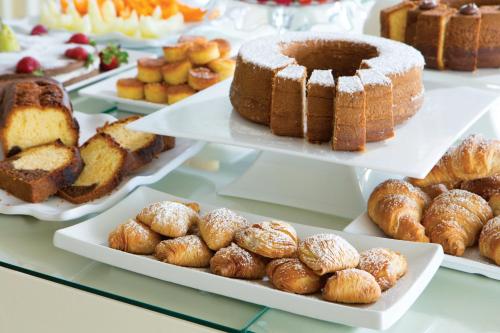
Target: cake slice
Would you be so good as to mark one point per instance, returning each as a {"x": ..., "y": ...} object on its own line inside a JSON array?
[
  {"x": 288, "y": 101},
  {"x": 489, "y": 37},
  {"x": 38, "y": 172},
  {"x": 379, "y": 118},
  {"x": 349, "y": 127},
  {"x": 462, "y": 39},
  {"x": 393, "y": 20},
  {"x": 143, "y": 147},
  {"x": 106, "y": 163},
  {"x": 320, "y": 93},
  {"x": 35, "y": 112}
]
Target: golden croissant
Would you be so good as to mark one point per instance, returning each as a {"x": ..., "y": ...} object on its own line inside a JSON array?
[
  {"x": 489, "y": 240},
  {"x": 352, "y": 286},
  {"x": 397, "y": 207},
  {"x": 189, "y": 251},
  {"x": 476, "y": 157},
  {"x": 387, "y": 266},
  {"x": 291, "y": 275},
  {"x": 455, "y": 219},
  {"x": 217, "y": 228},
  {"x": 235, "y": 262},
  {"x": 484, "y": 187},
  {"x": 134, "y": 237}
]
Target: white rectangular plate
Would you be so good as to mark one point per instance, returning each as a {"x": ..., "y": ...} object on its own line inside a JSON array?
[
  {"x": 89, "y": 239},
  {"x": 57, "y": 209},
  {"x": 471, "y": 262},
  {"x": 417, "y": 146}
]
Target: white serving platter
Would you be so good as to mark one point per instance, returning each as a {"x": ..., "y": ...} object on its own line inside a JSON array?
[
  {"x": 57, "y": 209},
  {"x": 89, "y": 239},
  {"x": 483, "y": 77},
  {"x": 419, "y": 143},
  {"x": 471, "y": 262}
]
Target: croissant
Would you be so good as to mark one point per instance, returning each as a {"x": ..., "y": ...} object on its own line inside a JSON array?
[
  {"x": 489, "y": 240},
  {"x": 291, "y": 275},
  {"x": 387, "y": 266},
  {"x": 484, "y": 187},
  {"x": 235, "y": 262},
  {"x": 327, "y": 253},
  {"x": 474, "y": 158},
  {"x": 218, "y": 227},
  {"x": 455, "y": 219},
  {"x": 352, "y": 286},
  {"x": 189, "y": 251},
  {"x": 273, "y": 239},
  {"x": 397, "y": 207},
  {"x": 133, "y": 237},
  {"x": 435, "y": 190},
  {"x": 495, "y": 204},
  {"x": 171, "y": 219}
]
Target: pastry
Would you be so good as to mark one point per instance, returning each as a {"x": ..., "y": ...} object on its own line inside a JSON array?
[
  {"x": 171, "y": 219},
  {"x": 177, "y": 72},
  {"x": 435, "y": 190},
  {"x": 203, "y": 53},
  {"x": 133, "y": 237},
  {"x": 455, "y": 218},
  {"x": 149, "y": 69},
  {"x": 485, "y": 187},
  {"x": 270, "y": 239},
  {"x": 327, "y": 253},
  {"x": 489, "y": 240},
  {"x": 495, "y": 203},
  {"x": 35, "y": 112},
  {"x": 352, "y": 286},
  {"x": 349, "y": 129},
  {"x": 39, "y": 172},
  {"x": 288, "y": 102},
  {"x": 130, "y": 88},
  {"x": 178, "y": 93},
  {"x": 177, "y": 52},
  {"x": 188, "y": 251},
  {"x": 476, "y": 157},
  {"x": 236, "y": 262},
  {"x": 223, "y": 67},
  {"x": 156, "y": 92},
  {"x": 385, "y": 265},
  {"x": 320, "y": 95},
  {"x": 201, "y": 78},
  {"x": 224, "y": 47},
  {"x": 291, "y": 275},
  {"x": 397, "y": 207},
  {"x": 217, "y": 228}
]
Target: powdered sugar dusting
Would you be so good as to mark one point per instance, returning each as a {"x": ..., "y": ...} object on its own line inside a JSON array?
[
  {"x": 322, "y": 77},
  {"x": 349, "y": 84},
  {"x": 264, "y": 52},
  {"x": 372, "y": 77},
  {"x": 292, "y": 72}
]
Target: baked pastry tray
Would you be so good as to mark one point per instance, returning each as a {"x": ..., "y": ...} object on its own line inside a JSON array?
[
  {"x": 89, "y": 239},
  {"x": 57, "y": 209},
  {"x": 419, "y": 143},
  {"x": 471, "y": 262}
]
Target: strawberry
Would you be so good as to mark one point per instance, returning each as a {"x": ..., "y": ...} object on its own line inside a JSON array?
[
  {"x": 112, "y": 57},
  {"x": 29, "y": 65},
  {"x": 80, "y": 38},
  {"x": 39, "y": 29},
  {"x": 79, "y": 53}
]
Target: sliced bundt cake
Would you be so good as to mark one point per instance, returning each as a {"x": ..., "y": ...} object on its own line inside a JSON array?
[
  {"x": 35, "y": 112},
  {"x": 38, "y": 172}
]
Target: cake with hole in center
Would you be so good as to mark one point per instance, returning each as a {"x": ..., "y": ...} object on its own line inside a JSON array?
[{"x": 257, "y": 79}]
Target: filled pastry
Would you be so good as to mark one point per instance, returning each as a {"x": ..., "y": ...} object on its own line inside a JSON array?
[
  {"x": 270, "y": 239},
  {"x": 291, "y": 275},
  {"x": 218, "y": 227},
  {"x": 235, "y": 262},
  {"x": 134, "y": 237},
  {"x": 171, "y": 219},
  {"x": 455, "y": 218},
  {"x": 352, "y": 286},
  {"x": 489, "y": 240},
  {"x": 396, "y": 207},
  {"x": 327, "y": 253},
  {"x": 387, "y": 266},
  {"x": 189, "y": 251}
]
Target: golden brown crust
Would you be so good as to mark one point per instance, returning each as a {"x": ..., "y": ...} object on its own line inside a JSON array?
[
  {"x": 386, "y": 265},
  {"x": 177, "y": 52},
  {"x": 489, "y": 240},
  {"x": 291, "y": 275},
  {"x": 434, "y": 190},
  {"x": 201, "y": 78},
  {"x": 217, "y": 228},
  {"x": 133, "y": 237},
  {"x": 495, "y": 204},
  {"x": 149, "y": 69},
  {"x": 131, "y": 88},
  {"x": 224, "y": 47},
  {"x": 236, "y": 262},
  {"x": 203, "y": 53},
  {"x": 485, "y": 187},
  {"x": 177, "y": 72},
  {"x": 352, "y": 286},
  {"x": 327, "y": 253},
  {"x": 188, "y": 251},
  {"x": 156, "y": 92}
]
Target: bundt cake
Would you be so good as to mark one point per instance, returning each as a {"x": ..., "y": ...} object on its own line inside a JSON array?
[
  {"x": 35, "y": 112},
  {"x": 451, "y": 34},
  {"x": 39, "y": 172},
  {"x": 396, "y": 82}
]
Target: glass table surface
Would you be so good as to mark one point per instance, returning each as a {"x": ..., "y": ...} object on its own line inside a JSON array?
[{"x": 453, "y": 301}]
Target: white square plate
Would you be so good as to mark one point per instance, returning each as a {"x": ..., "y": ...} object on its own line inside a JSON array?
[
  {"x": 89, "y": 239},
  {"x": 471, "y": 262},
  {"x": 418, "y": 144},
  {"x": 57, "y": 209}
]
